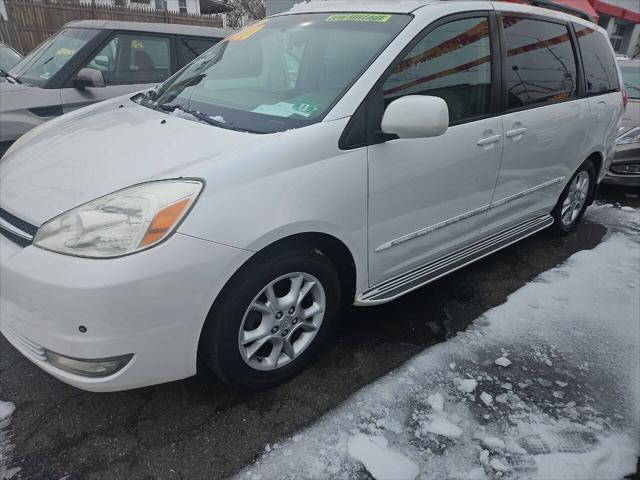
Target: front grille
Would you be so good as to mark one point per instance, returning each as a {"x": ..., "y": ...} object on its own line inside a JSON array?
[{"x": 16, "y": 229}]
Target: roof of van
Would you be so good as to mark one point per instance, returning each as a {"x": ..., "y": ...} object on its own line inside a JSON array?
[
  {"x": 393, "y": 6},
  {"x": 172, "y": 29},
  {"x": 409, "y": 6}
]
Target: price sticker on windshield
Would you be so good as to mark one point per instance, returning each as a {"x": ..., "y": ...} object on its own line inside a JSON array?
[{"x": 359, "y": 17}]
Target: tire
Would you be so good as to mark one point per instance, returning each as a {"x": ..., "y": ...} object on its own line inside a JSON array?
[
  {"x": 574, "y": 200},
  {"x": 225, "y": 345}
]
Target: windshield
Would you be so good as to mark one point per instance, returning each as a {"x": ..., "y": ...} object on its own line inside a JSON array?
[
  {"x": 280, "y": 73},
  {"x": 631, "y": 80},
  {"x": 45, "y": 61},
  {"x": 8, "y": 58}
]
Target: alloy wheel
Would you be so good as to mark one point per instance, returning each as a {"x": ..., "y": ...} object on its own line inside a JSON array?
[
  {"x": 576, "y": 198},
  {"x": 282, "y": 321}
]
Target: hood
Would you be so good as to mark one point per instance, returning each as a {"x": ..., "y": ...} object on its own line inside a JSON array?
[
  {"x": 100, "y": 149},
  {"x": 11, "y": 86}
]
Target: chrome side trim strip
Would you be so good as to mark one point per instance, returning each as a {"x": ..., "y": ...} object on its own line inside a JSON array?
[
  {"x": 516, "y": 196},
  {"x": 464, "y": 216},
  {"x": 420, "y": 276},
  {"x": 15, "y": 230},
  {"x": 427, "y": 230}
]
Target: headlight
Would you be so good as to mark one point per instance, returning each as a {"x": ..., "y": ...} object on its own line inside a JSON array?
[
  {"x": 121, "y": 223},
  {"x": 632, "y": 136}
]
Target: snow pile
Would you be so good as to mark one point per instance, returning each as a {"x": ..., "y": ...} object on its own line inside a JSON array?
[
  {"x": 565, "y": 407},
  {"x": 6, "y": 448}
]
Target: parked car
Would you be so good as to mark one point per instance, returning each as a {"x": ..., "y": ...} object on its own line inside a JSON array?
[
  {"x": 227, "y": 214},
  {"x": 625, "y": 168},
  {"x": 91, "y": 60},
  {"x": 8, "y": 58}
]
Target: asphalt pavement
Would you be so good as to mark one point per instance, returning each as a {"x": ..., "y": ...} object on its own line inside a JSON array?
[{"x": 198, "y": 428}]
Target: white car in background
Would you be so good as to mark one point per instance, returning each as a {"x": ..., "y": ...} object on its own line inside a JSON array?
[
  {"x": 228, "y": 214},
  {"x": 88, "y": 61}
]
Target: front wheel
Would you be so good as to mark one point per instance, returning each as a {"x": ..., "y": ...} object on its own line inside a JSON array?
[
  {"x": 271, "y": 318},
  {"x": 574, "y": 199}
]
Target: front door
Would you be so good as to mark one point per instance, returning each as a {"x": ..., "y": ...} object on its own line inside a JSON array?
[
  {"x": 429, "y": 196},
  {"x": 129, "y": 62}
]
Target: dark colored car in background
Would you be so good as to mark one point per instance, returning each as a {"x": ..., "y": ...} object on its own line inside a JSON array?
[{"x": 625, "y": 169}]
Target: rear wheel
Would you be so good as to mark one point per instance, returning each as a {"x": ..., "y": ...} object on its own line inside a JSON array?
[
  {"x": 574, "y": 199},
  {"x": 271, "y": 318}
]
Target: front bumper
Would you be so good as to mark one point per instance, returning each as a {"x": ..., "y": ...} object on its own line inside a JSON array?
[{"x": 151, "y": 304}]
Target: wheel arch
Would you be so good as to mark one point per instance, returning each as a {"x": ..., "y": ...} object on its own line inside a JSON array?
[
  {"x": 597, "y": 158},
  {"x": 330, "y": 246}
]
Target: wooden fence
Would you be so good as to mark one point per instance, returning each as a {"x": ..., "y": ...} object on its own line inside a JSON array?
[{"x": 36, "y": 20}]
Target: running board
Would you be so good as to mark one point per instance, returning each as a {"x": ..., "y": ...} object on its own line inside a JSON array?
[{"x": 420, "y": 276}]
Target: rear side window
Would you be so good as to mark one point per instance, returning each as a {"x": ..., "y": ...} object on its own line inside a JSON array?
[
  {"x": 541, "y": 65},
  {"x": 452, "y": 62},
  {"x": 190, "y": 48},
  {"x": 599, "y": 64}
]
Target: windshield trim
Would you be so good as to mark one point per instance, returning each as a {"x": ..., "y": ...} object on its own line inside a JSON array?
[{"x": 301, "y": 123}]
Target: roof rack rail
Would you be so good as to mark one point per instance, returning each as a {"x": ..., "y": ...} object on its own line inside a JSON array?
[
  {"x": 555, "y": 6},
  {"x": 561, "y": 8}
]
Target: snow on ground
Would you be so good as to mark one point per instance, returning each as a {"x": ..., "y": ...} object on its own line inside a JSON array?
[
  {"x": 6, "y": 448},
  {"x": 545, "y": 386}
]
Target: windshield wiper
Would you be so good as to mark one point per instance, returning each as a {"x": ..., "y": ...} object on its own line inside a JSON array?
[
  {"x": 202, "y": 116},
  {"x": 5, "y": 74}
]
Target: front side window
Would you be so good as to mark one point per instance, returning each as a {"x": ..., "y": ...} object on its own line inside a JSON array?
[
  {"x": 599, "y": 63},
  {"x": 134, "y": 58},
  {"x": 452, "y": 62},
  {"x": 45, "y": 61},
  {"x": 283, "y": 72},
  {"x": 541, "y": 65}
]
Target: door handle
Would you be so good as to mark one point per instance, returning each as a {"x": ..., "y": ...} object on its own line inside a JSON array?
[
  {"x": 489, "y": 140},
  {"x": 516, "y": 132}
]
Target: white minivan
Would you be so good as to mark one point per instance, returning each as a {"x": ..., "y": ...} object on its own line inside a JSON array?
[{"x": 341, "y": 153}]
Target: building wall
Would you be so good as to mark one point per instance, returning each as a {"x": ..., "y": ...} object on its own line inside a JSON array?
[
  {"x": 628, "y": 4},
  {"x": 623, "y": 33},
  {"x": 193, "y": 6}
]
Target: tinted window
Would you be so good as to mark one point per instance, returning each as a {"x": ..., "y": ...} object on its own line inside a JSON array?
[
  {"x": 599, "y": 63},
  {"x": 452, "y": 62},
  {"x": 133, "y": 59},
  {"x": 541, "y": 66},
  {"x": 190, "y": 48}
]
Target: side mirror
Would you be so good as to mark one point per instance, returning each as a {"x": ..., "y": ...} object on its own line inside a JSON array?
[
  {"x": 88, "y": 77},
  {"x": 416, "y": 116}
]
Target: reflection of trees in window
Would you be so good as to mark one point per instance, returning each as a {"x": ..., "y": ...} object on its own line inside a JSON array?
[
  {"x": 541, "y": 63},
  {"x": 599, "y": 64}
]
